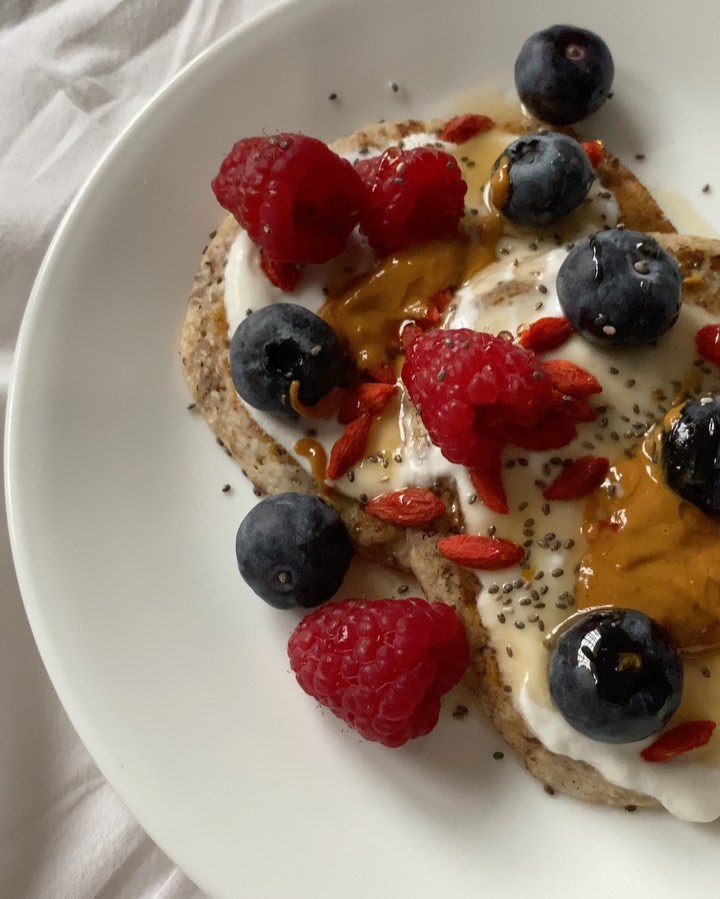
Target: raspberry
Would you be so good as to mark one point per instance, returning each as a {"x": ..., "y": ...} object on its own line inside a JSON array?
[
  {"x": 297, "y": 200},
  {"x": 412, "y": 196},
  {"x": 471, "y": 388},
  {"x": 380, "y": 665}
]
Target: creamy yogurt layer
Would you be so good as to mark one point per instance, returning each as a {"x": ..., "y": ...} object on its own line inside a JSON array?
[{"x": 520, "y": 606}]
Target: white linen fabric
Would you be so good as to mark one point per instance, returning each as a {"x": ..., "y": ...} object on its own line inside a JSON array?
[{"x": 73, "y": 73}]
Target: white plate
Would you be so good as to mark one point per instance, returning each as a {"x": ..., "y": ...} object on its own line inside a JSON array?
[{"x": 175, "y": 677}]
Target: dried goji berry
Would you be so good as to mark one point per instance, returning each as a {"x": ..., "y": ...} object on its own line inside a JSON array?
[
  {"x": 578, "y": 479},
  {"x": 285, "y": 275},
  {"x": 707, "y": 340},
  {"x": 595, "y": 151},
  {"x": 349, "y": 447},
  {"x": 367, "y": 398},
  {"x": 462, "y": 127},
  {"x": 383, "y": 373},
  {"x": 686, "y": 736},
  {"x": 410, "y": 506},
  {"x": 486, "y": 553},
  {"x": 570, "y": 379},
  {"x": 489, "y": 488},
  {"x": 546, "y": 334}
]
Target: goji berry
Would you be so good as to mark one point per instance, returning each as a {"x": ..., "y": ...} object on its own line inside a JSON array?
[
  {"x": 462, "y": 127},
  {"x": 489, "y": 488},
  {"x": 486, "y": 553},
  {"x": 579, "y": 479},
  {"x": 285, "y": 275},
  {"x": 595, "y": 151},
  {"x": 686, "y": 736},
  {"x": 367, "y": 398},
  {"x": 546, "y": 334},
  {"x": 410, "y": 506},
  {"x": 383, "y": 373},
  {"x": 349, "y": 447},
  {"x": 707, "y": 341},
  {"x": 570, "y": 379}
]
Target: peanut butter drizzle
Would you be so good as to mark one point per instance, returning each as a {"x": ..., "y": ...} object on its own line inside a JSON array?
[
  {"x": 313, "y": 451},
  {"x": 648, "y": 549},
  {"x": 369, "y": 315},
  {"x": 325, "y": 408}
]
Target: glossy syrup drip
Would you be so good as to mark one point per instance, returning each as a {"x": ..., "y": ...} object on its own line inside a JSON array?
[{"x": 313, "y": 451}]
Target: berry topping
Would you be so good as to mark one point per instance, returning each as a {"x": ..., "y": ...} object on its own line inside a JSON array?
[
  {"x": 691, "y": 454},
  {"x": 350, "y": 446},
  {"x": 486, "y": 553},
  {"x": 579, "y": 479},
  {"x": 548, "y": 176},
  {"x": 620, "y": 289},
  {"x": 468, "y": 385},
  {"x": 411, "y": 197},
  {"x": 570, "y": 379},
  {"x": 297, "y": 200},
  {"x": 546, "y": 334},
  {"x": 277, "y": 345},
  {"x": 381, "y": 665},
  {"x": 285, "y": 275},
  {"x": 489, "y": 488},
  {"x": 462, "y": 128},
  {"x": 678, "y": 740},
  {"x": 707, "y": 341},
  {"x": 409, "y": 506},
  {"x": 293, "y": 550},
  {"x": 563, "y": 74},
  {"x": 615, "y": 677}
]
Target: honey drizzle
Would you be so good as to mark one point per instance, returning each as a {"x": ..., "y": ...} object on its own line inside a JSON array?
[{"x": 313, "y": 451}]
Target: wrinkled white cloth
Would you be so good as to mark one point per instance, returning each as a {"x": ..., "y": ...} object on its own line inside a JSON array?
[{"x": 73, "y": 73}]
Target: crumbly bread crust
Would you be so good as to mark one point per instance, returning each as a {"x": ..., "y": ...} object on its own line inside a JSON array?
[{"x": 205, "y": 363}]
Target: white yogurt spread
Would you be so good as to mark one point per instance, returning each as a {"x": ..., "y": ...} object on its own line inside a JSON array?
[{"x": 518, "y": 612}]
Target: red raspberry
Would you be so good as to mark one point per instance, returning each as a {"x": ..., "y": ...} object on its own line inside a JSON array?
[
  {"x": 471, "y": 388},
  {"x": 381, "y": 665},
  {"x": 413, "y": 196},
  {"x": 297, "y": 199}
]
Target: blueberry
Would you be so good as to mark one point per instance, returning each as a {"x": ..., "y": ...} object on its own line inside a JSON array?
[
  {"x": 279, "y": 344},
  {"x": 691, "y": 454},
  {"x": 293, "y": 550},
  {"x": 615, "y": 677},
  {"x": 549, "y": 176},
  {"x": 563, "y": 74},
  {"x": 620, "y": 289}
]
